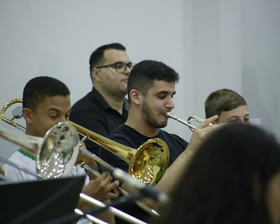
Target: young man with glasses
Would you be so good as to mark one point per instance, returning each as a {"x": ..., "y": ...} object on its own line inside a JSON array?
[{"x": 105, "y": 107}]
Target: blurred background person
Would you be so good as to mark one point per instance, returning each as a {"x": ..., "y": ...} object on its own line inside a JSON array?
[{"x": 234, "y": 177}]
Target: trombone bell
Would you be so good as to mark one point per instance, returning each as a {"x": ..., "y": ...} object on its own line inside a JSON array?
[{"x": 55, "y": 154}]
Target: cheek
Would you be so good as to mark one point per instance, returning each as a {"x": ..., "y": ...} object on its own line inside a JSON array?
[
  {"x": 158, "y": 104},
  {"x": 46, "y": 126}
]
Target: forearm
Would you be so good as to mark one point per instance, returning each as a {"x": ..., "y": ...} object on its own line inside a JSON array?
[
  {"x": 171, "y": 177},
  {"x": 173, "y": 173}
]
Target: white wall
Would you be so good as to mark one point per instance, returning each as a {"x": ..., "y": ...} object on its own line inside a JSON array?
[{"x": 212, "y": 44}]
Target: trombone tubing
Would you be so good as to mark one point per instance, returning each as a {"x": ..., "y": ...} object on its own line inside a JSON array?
[{"x": 113, "y": 210}]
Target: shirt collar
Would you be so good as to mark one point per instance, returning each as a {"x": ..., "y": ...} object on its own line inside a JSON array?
[{"x": 103, "y": 102}]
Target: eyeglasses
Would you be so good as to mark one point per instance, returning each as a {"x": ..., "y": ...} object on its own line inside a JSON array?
[{"x": 119, "y": 66}]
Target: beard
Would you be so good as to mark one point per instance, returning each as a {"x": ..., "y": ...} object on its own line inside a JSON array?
[{"x": 150, "y": 118}]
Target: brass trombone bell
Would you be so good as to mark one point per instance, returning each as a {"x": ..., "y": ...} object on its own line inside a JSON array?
[{"x": 147, "y": 164}]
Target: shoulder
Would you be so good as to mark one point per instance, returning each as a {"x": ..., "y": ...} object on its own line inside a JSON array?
[
  {"x": 18, "y": 157},
  {"x": 123, "y": 132},
  {"x": 89, "y": 98},
  {"x": 173, "y": 139},
  {"x": 25, "y": 162}
]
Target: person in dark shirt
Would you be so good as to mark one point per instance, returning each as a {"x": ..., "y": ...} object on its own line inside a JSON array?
[
  {"x": 151, "y": 89},
  {"x": 105, "y": 107},
  {"x": 233, "y": 178}
]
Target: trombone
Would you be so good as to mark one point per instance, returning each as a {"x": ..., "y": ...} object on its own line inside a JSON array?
[
  {"x": 188, "y": 122},
  {"x": 147, "y": 164},
  {"x": 55, "y": 153}
]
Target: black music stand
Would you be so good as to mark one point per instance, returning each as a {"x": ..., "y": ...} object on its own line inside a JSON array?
[{"x": 39, "y": 200}]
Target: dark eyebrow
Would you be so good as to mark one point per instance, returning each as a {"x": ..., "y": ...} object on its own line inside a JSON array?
[
  {"x": 166, "y": 92},
  {"x": 56, "y": 110},
  {"x": 122, "y": 62}
]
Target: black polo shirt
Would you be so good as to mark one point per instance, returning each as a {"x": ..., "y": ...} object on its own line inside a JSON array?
[{"x": 94, "y": 113}]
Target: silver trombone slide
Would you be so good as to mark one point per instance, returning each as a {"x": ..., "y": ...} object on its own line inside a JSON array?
[
  {"x": 113, "y": 210},
  {"x": 98, "y": 204},
  {"x": 109, "y": 168}
]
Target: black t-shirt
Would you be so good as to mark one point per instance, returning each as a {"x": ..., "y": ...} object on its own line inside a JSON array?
[
  {"x": 131, "y": 138},
  {"x": 94, "y": 113}
]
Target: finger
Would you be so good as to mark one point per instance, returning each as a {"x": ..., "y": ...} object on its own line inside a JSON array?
[
  {"x": 213, "y": 128},
  {"x": 108, "y": 178},
  {"x": 208, "y": 121},
  {"x": 113, "y": 195},
  {"x": 113, "y": 185}
]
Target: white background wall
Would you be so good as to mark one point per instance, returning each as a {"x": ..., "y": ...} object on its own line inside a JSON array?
[{"x": 212, "y": 44}]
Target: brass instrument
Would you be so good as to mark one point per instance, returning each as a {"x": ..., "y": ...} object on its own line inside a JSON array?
[
  {"x": 148, "y": 163},
  {"x": 110, "y": 169},
  {"x": 188, "y": 122},
  {"x": 55, "y": 153}
]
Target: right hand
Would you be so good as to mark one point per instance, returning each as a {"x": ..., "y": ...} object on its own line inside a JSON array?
[{"x": 202, "y": 132}]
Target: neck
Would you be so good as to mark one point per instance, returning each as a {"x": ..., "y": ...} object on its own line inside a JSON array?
[
  {"x": 134, "y": 121},
  {"x": 115, "y": 101}
]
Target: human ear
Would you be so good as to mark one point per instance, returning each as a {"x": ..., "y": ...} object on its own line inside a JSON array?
[
  {"x": 95, "y": 74},
  {"x": 135, "y": 97},
  {"x": 27, "y": 114}
]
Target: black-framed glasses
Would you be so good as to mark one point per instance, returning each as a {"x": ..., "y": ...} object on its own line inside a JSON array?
[{"x": 119, "y": 66}]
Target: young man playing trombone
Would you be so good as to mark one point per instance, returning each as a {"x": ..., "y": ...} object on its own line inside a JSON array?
[
  {"x": 151, "y": 88},
  {"x": 46, "y": 102}
]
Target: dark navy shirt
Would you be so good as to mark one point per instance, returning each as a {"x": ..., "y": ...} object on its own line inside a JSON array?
[{"x": 129, "y": 137}]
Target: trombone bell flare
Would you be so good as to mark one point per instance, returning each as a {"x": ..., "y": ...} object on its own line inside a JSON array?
[
  {"x": 148, "y": 163},
  {"x": 53, "y": 159}
]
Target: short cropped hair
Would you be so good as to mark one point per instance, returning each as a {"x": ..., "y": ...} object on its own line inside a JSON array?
[
  {"x": 222, "y": 100},
  {"x": 38, "y": 89},
  {"x": 97, "y": 57},
  {"x": 143, "y": 75}
]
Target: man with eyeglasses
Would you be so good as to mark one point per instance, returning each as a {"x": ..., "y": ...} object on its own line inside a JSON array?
[{"x": 105, "y": 107}]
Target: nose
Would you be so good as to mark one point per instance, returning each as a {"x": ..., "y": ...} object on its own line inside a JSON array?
[{"x": 170, "y": 104}]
